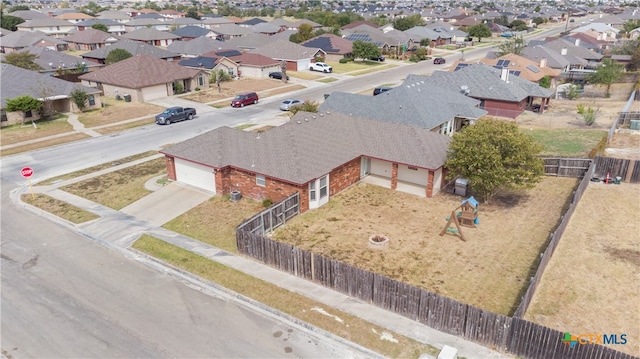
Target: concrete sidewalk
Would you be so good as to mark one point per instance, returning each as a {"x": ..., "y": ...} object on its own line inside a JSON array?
[{"x": 119, "y": 230}]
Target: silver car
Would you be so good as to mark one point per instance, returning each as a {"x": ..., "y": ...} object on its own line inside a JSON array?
[{"x": 287, "y": 104}]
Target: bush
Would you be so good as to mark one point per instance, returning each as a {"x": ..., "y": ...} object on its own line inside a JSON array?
[
  {"x": 589, "y": 116},
  {"x": 267, "y": 202},
  {"x": 178, "y": 88},
  {"x": 197, "y": 88},
  {"x": 580, "y": 109},
  {"x": 344, "y": 60}
]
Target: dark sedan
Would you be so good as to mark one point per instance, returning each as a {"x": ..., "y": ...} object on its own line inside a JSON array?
[
  {"x": 277, "y": 75},
  {"x": 439, "y": 61}
]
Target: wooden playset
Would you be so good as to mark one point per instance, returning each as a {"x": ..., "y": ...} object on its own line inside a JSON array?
[{"x": 467, "y": 216}]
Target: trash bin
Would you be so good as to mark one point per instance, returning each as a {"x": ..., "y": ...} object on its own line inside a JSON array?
[
  {"x": 461, "y": 187},
  {"x": 618, "y": 179},
  {"x": 127, "y": 98}
]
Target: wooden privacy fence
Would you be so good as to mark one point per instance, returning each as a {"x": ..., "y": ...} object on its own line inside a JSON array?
[
  {"x": 627, "y": 170},
  {"x": 273, "y": 217},
  {"x": 566, "y": 167},
  {"x": 553, "y": 243},
  {"x": 512, "y": 334}
]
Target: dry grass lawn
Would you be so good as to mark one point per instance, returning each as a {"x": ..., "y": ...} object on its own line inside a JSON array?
[
  {"x": 264, "y": 88},
  {"x": 490, "y": 270},
  {"x": 19, "y": 133},
  {"x": 43, "y": 144},
  {"x": 117, "y": 111},
  {"x": 59, "y": 208},
  {"x": 592, "y": 283}
]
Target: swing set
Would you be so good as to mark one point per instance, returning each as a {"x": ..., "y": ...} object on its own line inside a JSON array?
[{"x": 467, "y": 216}]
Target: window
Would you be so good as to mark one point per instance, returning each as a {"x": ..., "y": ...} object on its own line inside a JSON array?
[
  {"x": 447, "y": 128},
  {"x": 260, "y": 181},
  {"x": 92, "y": 100},
  {"x": 312, "y": 191},
  {"x": 3, "y": 116},
  {"x": 201, "y": 80},
  {"x": 28, "y": 114},
  {"x": 323, "y": 187}
]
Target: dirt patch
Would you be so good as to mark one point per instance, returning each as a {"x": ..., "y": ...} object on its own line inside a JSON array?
[
  {"x": 264, "y": 87},
  {"x": 592, "y": 282},
  {"x": 489, "y": 270},
  {"x": 624, "y": 144},
  {"x": 562, "y": 113}
]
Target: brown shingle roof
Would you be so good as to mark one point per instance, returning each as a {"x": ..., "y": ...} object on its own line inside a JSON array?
[
  {"x": 313, "y": 144},
  {"x": 140, "y": 71}
]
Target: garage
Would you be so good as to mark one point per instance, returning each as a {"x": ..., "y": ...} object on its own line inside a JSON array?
[
  {"x": 413, "y": 175},
  {"x": 195, "y": 175},
  {"x": 381, "y": 168}
]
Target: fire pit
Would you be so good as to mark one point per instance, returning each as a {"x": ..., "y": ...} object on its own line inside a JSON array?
[{"x": 378, "y": 241}]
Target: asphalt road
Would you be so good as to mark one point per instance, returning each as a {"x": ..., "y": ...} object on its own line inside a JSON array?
[{"x": 66, "y": 296}]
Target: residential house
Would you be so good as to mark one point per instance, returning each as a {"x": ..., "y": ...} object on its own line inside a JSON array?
[
  {"x": 18, "y": 40},
  {"x": 230, "y": 31},
  {"x": 266, "y": 28},
  {"x": 562, "y": 54},
  {"x": 172, "y": 14},
  {"x": 500, "y": 93},
  {"x": 114, "y": 15},
  {"x": 212, "y": 22},
  {"x": 74, "y": 17},
  {"x": 602, "y": 31},
  {"x": 27, "y": 15},
  {"x": 139, "y": 23},
  {"x": 134, "y": 48},
  {"x": 90, "y": 39},
  {"x": 517, "y": 65},
  {"x": 589, "y": 41},
  {"x": 297, "y": 57},
  {"x": 335, "y": 47},
  {"x": 49, "y": 26},
  {"x": 113, "y": 27},
  {"x": 145, "y": 78},
  {"x": 151, "y": 36},
  {"x": 175, "y": 24},
  {"x": 249, "y": 42},
  {"x": 317, "y": 155},
  {"x": 413, "y": 103},
  {"x": 17, "y": 82},
  {"x": 192, "y": 32},
  {"x": 243, "y": 64},
  {"x": 54, "y": 62},
  {"x": 196, "y": 47}
]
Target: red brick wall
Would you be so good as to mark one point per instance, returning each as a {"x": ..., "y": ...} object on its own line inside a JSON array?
[
  {"x": 171, "y": 167},
  {"x": 430, "y": 179},
  {"x": 344, "y": 176},
  {"x": 504, "y": 109},
  {"x": 394, "y": 176}
]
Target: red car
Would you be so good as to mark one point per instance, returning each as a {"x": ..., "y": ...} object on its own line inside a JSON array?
[
  {"x": 439, "y": 61},
  {"x": 244, "y": 99}
]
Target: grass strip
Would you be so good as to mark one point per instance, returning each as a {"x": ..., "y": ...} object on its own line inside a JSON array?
[
  {"x": 59, "y": 208},
  {"x": 352, "y": 328}
]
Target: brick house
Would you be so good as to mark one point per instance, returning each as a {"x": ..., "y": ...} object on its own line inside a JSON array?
[{"x": 315, "y": 154}]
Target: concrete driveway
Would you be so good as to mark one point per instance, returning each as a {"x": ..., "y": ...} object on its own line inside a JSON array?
[{"x": 166, "y": 203}]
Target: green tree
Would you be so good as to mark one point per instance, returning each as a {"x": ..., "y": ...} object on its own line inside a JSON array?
[
  {"x": 18, "y": 8},
  {"x": 305, "y": 32},
  {"x": 606, "y": 74},
  {"x": 538, "y": 20},
  {"x": 419, "y": 55},
  {"x": 364, "y": 50},
  {"x": 117, "y": 55},
  {"x": 406, "y": 23},
  {"x": 426, "y": 42},
  {"x": 479, "y": 31},
  {"x": 100, "y": 26},
  {"x": 218, "y": 77},
  {"x": 630, "y": 25},
  {"x": 502, "y": 20},
  {"x": 23, "y": 103},
  {"x": 178, "y": 87},
  {"x": 9, "y": 22},
  {"x": 307, "y": 106},
  {"x": 537, "y": 8},
  {"x": 518, "y": 25},
  {"x": 494, "y": 154},
  {"x": 545, "y": 82},
  {"x": 22, "y": 59},
  {"x": 79, "y": 97},
  {"x": 514, "y": 45},
  {"x": 192, "y": 13},
  {"x": 634, "y": 64}
]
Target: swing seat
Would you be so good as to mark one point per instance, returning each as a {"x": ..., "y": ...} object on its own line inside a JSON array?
[{"x": 452, "y": 230}]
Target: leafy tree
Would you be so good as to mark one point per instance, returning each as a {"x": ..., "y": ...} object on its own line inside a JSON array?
[
  {"x": 100, "y": 26},
  {"x": 406, "y": 23},
  {"x": 545, "y": 82},
  {"x": 79, "y": 97},
  {"x": 192, "y": 13},
  {"x": 23, "y": 103},
  {"x": 630, "y": 25},
  {"x": 626, "y": 48},
  {"x": 479, "y": 31},
  {"x": 305, "y": 32},
  {"x": 22, "y": 59},
  {"x": 178, "y": 87},
  {"x": 502, "y": 20},
  {"x": 117, "y": 55},
  {"x": 518, "y": 25},
  {"x": 494, "y": 154},
  {"x": 538, "y": 20},
  {"x": 419, "y": 55},
  {"x": 18, "y": 8},
  {"x": 606, "y": 74},
  {"x": 537, "y": 8},
  {"x": 512, "y": 46},
  {"x": 426, "y": 42},
  {"x": 634, "y": 64},
  {"x": 9, "y": 22},
  {"x": 364, "y": 50},
  {"x": 307, "y": 106},
  {"x": 218, "y": 77}
]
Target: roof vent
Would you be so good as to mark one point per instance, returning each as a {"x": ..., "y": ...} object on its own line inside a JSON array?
[
  {"x": 321, "y": 114},
  {"x": 313, "y": 117},
  {"x": 298, "y": 122},
  {"x": 306, "y": 120}
]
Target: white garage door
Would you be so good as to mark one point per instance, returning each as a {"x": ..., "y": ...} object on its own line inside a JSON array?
[
  {"x": 195, "y": 175},
  {"x": 381, "y": 168},
  {"x": 412, "y": 175}
]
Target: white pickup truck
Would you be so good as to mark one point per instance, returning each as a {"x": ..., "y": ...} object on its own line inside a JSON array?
[{"x": 320, "y": 66}]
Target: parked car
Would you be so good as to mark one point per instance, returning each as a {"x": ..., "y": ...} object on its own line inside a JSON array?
[
  {"x": 439, "y": 60},
  {"x": 379, "y": 90},
  {"x": 175, "y": 114},
  {"x": 320, "y": 66},
  {"x": 287, "y": 104},
  {"x": 377, "y": 58},
  {"x": 277, "y": 75},
  {"x": 246, "y": 98}
]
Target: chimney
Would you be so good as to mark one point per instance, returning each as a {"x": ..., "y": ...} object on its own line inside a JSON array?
[
  {"x": 563, "y": 52},
  {"x": 577, "y": 42},
  {"x": 543, "y": 62},
  {"x": 504, "y": 74}
]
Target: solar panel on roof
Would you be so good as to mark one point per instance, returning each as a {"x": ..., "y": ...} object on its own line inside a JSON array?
[
  {"x": 533, "y": 69},
  {"x": 460, "y": 66},
  {"x": 229, "y": 53},
  {"x": 516, "y": 73},
  {"x": 503, "y": 63}
]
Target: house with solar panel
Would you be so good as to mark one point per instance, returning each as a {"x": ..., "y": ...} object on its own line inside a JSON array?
[{"x": 518, "y": 66}]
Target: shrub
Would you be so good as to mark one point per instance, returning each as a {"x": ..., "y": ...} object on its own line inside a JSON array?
[
  {"x": 589, "y": 116},
  {"x": 267, "y": 202},
  {"x": 197, "y": 88},
  {"x": 178, "y": 88},
  {"x": 344, "y": 60},
  {"x": 580, "y": 109}
]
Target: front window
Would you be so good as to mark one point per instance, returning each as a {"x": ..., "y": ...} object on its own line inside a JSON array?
[
  {"x": 312, "y": 191},
  {"x": 323, "y": 187},
  {"x": 260, "y": 181}
]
